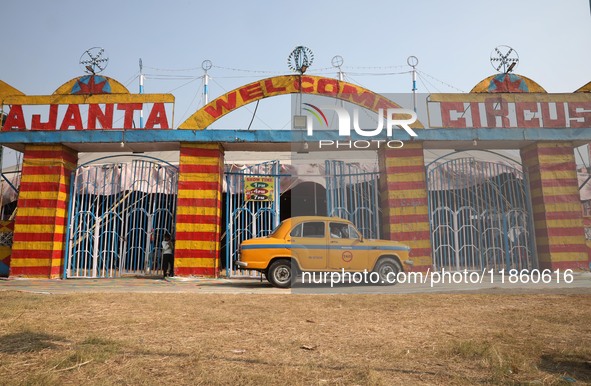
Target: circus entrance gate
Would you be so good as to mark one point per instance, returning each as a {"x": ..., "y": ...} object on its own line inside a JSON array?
[
  {"x": 252, "y": 208},
  {"x": 119, "y": 213},
  {"x": 480, "y": 216}
]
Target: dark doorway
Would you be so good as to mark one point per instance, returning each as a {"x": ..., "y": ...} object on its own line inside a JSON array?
[{"x": 305, "y": 199}]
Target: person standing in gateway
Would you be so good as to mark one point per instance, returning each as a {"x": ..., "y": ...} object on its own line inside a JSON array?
[{"x": 167, "y": 257}]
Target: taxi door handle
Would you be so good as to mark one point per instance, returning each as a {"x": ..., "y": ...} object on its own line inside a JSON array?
[{"x": 334, "y": 242}]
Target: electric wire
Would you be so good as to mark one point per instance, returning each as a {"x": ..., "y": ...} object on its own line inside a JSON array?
[
  {"x": 253, "y": 114},
  {"x": 379, "y": 73},
  {"x": 132, "y": 79},
  {"x": 423, "y": 83},
  {"x": 245, "y": 70},
  {"x": 440, "y": 81},
  {"x": 174, "y": 69},
  {"x": 185, "y": 114},
  {"x": 184, "y": 84}
]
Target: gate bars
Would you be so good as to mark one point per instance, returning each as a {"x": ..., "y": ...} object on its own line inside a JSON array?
[
  {"x": 248, "y": 219},
  {"x": 352, "y": 194},
  {"x": 118, "y": 216},
  {"x": 480, "y": 216}
]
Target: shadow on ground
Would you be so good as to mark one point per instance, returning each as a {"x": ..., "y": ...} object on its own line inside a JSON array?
[
  {"x": 573, "y": 366},
  {"x": 27, "y": 341}
]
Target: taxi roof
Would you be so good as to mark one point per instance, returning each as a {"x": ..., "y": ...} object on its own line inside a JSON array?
[{"x": 315, "y": 218}]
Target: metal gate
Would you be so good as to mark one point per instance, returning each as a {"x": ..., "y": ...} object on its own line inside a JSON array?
[
  {"x": 352, "y": 194},
  {"x": 480, "y": 216},
  {"x": 248, "y": 217},
  {"x": 119, "y": 213}
]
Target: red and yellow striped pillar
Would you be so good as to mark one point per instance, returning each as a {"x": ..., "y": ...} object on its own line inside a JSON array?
[
  {"x": 404, "y": 201},
  {"x": 199, "y": 213},
  {"x": 39, "y": 239},
  {"x": 558, "y": 221}
]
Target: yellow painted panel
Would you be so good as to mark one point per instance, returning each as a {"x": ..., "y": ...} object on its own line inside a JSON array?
[
  {"x": 49, "y": 228},
  {"x": 47, "y": 147},
  {"x": 555, "y": 191},
  {"x": 196, "y": 244},
  {"x": 406, "y": 210},
  {"x": 549, "y": 145},
  {"x": 407, "y": 177},
  {"x": 197, "y": 210},
  {"x": 187, "y": 262},
  {"x": 414, "y": 193},
  {"x": 32, "y": 177},
  {"x": 6, "y": 89},
  {"x": 557, "y": 207},
  {"x": 561, "y": 240},
  {"x": 61, "y": 165},
  {"x": 556, "y": 257},
  {"x": 547, "y": 160},
  {"x": 198, "y": 193},
  {"x": 195, "y": 160},
  {"x": 563, "y": 223},
  {"x": 182, "y": 227},
  {"x": 54, "y": 162},
  {"x": 43, "y": 195},
  {"x": 29, "y": 263},
  {"x": 558, "y": 174},
  {"x": 43, "y": 212},
  {"x": 87, "y": 99},
  {"x": 38, "y": 245},
  {"x": 206, "y": 146},
  {"x": 203, "y": 193},
  {"x": 200, "y": 177},
  {"x": 407, "y": 161},
  {"x": 414, "y": 227}
]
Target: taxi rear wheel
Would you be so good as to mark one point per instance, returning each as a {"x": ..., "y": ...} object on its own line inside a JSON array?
[
  {"x": 280, "y": 273},
  {"x": 387, "y": 268}
]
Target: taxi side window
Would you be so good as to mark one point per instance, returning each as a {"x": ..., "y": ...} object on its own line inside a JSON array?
[
  {"x": 339, "y": 230},
  {"x": 297, "y": 231},
  {"x": 313, "y": 229}
]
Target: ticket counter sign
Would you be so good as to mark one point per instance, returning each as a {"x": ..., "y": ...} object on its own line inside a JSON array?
[{"x": 259, "y": 188}]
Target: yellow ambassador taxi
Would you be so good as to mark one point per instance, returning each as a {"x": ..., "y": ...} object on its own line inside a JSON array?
[{"x": 323, "y": 244}]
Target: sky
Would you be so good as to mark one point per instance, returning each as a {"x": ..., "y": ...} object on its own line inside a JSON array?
[{"x": 245, "y": 41}]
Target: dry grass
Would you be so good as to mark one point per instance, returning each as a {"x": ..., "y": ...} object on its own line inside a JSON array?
[{"x": 192, "y": 339}]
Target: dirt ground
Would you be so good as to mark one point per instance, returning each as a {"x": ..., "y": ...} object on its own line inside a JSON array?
[{"x": 220, "y": 339}]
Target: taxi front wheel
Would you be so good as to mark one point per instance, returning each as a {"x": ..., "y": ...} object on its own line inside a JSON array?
[
  {"x": 280, "y": 273},
  {"x": 387, "y": 268}
]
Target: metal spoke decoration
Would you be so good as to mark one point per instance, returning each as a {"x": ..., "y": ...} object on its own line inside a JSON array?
[
  {"x": 337, "y": 61},
  {"x": 94, "y": 60},
  {"x": 206, "y": 65},
  {"x": 504, "y": 59},
  {"x": 300, "y": 59}
]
